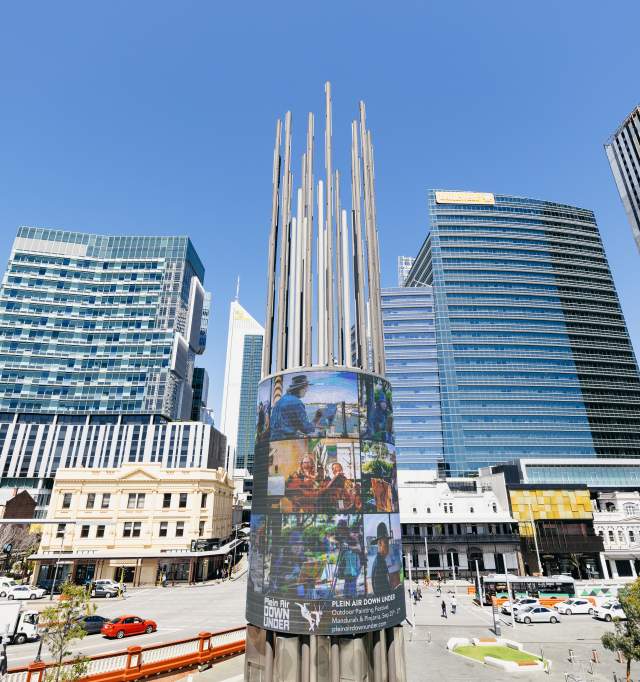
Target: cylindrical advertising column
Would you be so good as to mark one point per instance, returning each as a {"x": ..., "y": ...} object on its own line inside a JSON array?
[{"x": 326, "y": 549}]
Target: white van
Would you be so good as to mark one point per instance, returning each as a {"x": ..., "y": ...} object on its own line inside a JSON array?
[{"x": 5, "y": 585}]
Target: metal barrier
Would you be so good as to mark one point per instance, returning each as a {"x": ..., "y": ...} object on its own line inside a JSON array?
[{"x": 139, "y": 662}]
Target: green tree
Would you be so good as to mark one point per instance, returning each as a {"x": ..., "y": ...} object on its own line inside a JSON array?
[
  {"x": 626, "y": 637},
  {"x": 61, "y": 629}
]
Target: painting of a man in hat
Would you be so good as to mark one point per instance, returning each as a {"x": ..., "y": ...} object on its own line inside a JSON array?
[
  {"x": 289, "y": 416},
  {"x": 384, "y": 562}
]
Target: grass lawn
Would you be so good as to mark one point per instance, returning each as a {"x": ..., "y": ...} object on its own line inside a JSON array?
[{"x": 504, "y": 653}]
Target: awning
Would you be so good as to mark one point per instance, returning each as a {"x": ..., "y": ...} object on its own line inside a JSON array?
[{"x": 128, "y": 554}]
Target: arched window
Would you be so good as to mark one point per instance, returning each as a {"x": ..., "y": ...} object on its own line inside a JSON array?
[
  {"x": 494, "y": 507},
  {"x": 475, "y": 554},
  {"x": 610, "y": 507},
  {"x": 452, "y": 558}
]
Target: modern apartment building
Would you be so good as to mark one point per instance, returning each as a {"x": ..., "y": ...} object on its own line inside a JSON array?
[
  {"x": 241, "y": 377},
  {"x": 412, "y": 368},
  {"x": 200, "y": 385},
  {"x": 534, "y": 356},
  {"x": 136, "y": 522},
  {"x": 404, "y": 268},
  {"x": 99, "y": 324},
  {"x": 623, "y": 152},
  {"x": 36, "y": 446}
]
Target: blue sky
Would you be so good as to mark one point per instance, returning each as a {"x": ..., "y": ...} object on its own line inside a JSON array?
[{"x": 155, "y": 117}]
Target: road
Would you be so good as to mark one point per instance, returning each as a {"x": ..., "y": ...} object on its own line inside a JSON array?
[{"x": 181, "y": 611}]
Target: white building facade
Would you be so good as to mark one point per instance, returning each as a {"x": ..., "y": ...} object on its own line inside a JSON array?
[
  {"x": 455, "y": 525},
  {"x": 616, "y": 518}
]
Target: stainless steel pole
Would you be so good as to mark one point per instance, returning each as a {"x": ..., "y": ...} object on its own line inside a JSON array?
[
  {"x": 330, "y": 347},
  {"x": 271, "y": 266}
]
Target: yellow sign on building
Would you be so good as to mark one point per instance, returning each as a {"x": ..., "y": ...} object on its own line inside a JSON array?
[
  {"x": 549, "y": 504},
  {"x": 486, "y": 198}
]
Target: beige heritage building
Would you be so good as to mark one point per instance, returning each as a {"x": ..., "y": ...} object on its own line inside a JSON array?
[{"x": 136, "y": 524}]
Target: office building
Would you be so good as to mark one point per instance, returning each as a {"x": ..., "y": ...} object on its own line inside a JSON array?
[
  {"x": 200, "y": 384},
  {"x": 99, "y": 324},
  {"x": 241, "y": 377},
  {"x": 458, "y": 525},
  {"x": 135, "y": 523},
  {"x": 534, "y": 356},
  {"x": 36, "y": 446},
  {"x": 404, "y": 268},
  {"x": 623, "y": 152},
  {"x": 412, "y": 368}
]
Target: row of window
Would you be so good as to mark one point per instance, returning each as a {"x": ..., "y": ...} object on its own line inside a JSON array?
[
  {"x": 436, "y": 529},
  {"x": 131, "y": 529},
  {"x": 447, "y": 507},
  {"x": 134, "y": 500}
]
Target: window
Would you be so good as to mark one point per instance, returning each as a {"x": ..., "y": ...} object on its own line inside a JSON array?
[
  {"x": 100, "y": 532},
  {"x": 84, "y": 531},
  {"x": 163, "y": 529},
  {"x": 632, "y": 536},
  {"x": 91, "y": 500},
  {"x": 60, "y": 530},
  {"x": 183, "y": 500},
  {"x": 470, "y": 510},
  {"x": 415, "y": 511},
  {"x": 494, "y": 507},
  {"x": 136, "y": 501},
  {"x": 106, "y": 501},
  {"x": 132, "y": 529},
  {"x": 201, "y": 529},
  {"x": 203, "y": 501},
  {"x": 66, "y": 500},
  {"x": 620, "y": 536},
  {"x": 166, "y": 501},
  {"x": 179, "y": 528},
  {"x": 610, "y": 536},
  {"x": 428, "y": 510}
]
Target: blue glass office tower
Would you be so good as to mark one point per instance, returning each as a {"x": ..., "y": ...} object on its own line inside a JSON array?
[
  {"x": 412, "y": 368},
  {"x": 533, "y": 351},
  {"x": 97, "y": 324},
  {"x": 251, "y": 372}
]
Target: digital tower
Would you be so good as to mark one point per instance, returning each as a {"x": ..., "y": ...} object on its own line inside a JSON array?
[{"x": 325, "y": 595}]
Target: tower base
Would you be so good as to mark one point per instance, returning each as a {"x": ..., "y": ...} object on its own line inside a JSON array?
[{"x": 370, "y": 657}]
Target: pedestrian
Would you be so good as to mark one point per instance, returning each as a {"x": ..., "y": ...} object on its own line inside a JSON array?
[
  {"x": 443, "y": 606},
  {"x": 419, "y": 594},
  {"x": 453, "y": 603}
]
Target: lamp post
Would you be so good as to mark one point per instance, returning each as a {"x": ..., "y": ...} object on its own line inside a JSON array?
[
  {"x": 453, "y": 570},
  {"x": 426, "y": 551},
  {"x": 233, "y": 563},
  {"x": 407, "y": 559},
  {"x": 535, "y": 539}
]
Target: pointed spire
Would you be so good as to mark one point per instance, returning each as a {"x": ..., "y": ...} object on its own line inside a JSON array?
[{"x": 238, "y": 289}]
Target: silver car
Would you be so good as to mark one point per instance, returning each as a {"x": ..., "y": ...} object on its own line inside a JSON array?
[{"x": 537, "y": 614}]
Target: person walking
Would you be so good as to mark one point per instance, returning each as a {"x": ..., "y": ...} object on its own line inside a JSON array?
[
  {"x": 443, "y": 606},
  {"x": 453, "y": 603}
]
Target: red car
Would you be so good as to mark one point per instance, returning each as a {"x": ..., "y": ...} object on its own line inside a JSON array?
[{"x": 127, "y": 625}]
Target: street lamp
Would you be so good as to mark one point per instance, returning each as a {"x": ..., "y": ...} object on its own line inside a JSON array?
[{"x": 535, "y": 538}]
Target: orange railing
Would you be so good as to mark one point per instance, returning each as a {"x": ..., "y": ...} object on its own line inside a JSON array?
[{"x": 135, "y": 662}]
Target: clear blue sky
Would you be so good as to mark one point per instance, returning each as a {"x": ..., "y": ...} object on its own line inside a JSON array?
[{"x": 155, "y": 117}]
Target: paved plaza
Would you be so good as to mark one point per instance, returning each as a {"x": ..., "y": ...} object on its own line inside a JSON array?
[{"x": 184, "y": 611}]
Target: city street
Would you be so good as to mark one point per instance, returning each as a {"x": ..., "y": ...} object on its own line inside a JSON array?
[
  {"x": 183, "y": 611},
  {"x": 180, "y": 612},
  {"x": 426, "y": 643}
]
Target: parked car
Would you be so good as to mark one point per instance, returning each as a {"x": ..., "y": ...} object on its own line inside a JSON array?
[
  {"x": 107, "y": 582},
  {"x": 103, "y": 588},
  {"x": 128, "y": 625},
  {"x": 609, "y": 611},
  {"x": 571, "y": 606},
  {"x": 25, "y": 592},
  {"x": 92, "y": 624},
  {"x": 537, "y": 614},
  {"x": 519, "y": 604},
  {"x": 5, "y": 585}
]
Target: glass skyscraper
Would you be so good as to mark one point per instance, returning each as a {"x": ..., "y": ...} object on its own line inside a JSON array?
[
  {"x": 623, "y": 152},
  {"x": 251, "y": 371},
  {"x": 99, "y": 324},
  {"x": 534, "y": 355},
  {"x": 412, "y": 368}
]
